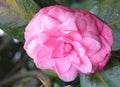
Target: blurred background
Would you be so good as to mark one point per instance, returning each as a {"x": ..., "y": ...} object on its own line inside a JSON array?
[{"x": 18, "y": 70}]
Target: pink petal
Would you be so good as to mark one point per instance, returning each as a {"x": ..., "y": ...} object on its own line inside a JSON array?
[
  {"x": 85, "y": 65},
  {"x": 81, "y": 23},
  {"x": 103, "y": 63},
  {"x": 44, "y": 64},
  {"x": 29, "y": 32},
  {"x": 73, "y": 35},
  {"x": 68, "y": 25},
  {"x": 79, "y": 49},
  {"x": 56, "y": 53},
  {"x": 92, "y": 45},
  {"x": 86, "y": 21},
  {"x": 56, "y": 10},
  {"x": 50, "y": 43},
  {"x": 62, "y": 65},
  {"x": 91, "y": 24},
  {"x": 53, "y": 45},
  {"x": 31, "y": 45},
  {"x": 47, "y": 23},
  {"x": 61, "y": 47},
  {"x": 34, "y": 25},
  {"x": 106, "y": 44},
  {"x": 99, "y": 23},
  {"x": 107, "y": 34},
  {"x": 99, "y": 56},
  {"x": 73, "y": 58},
  {"x": 69, "y": 75},
  {"x": 61, "y": 13},
  {"x": 42, "y": 59}
]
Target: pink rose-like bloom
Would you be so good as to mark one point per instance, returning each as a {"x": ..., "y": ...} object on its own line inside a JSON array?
[{"x": 68, "y": 41}]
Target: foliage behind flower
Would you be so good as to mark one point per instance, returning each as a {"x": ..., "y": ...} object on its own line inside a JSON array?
[{"x": 68, "y": 41}]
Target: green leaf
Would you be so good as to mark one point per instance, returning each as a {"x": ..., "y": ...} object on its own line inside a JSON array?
[
  {"x": 79, "y": 4},
  {"x": 84, "y": 4},
  {"x": 44, "y": 3},
  {"x": 14, "y": 16},
  {"x": 109, "y": 77},
  {"x": 109, "y": 11}
]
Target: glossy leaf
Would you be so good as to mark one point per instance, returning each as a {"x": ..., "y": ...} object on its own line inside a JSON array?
[
  {"x": 15, "y": 14},
  {"x": 109, "y": 11},
  {"x": 109, "y": 77}
]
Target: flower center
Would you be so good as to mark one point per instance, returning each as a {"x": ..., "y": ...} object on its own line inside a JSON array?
[
  {"x": 62, "y": 48},
  {"x": 65, "y": 48}
]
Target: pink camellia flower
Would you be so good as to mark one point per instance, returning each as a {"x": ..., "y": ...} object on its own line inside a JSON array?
[{"x": 68, "y": 41}]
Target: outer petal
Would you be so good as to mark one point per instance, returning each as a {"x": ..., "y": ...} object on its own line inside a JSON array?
[
  {"x": 47, "y": 23},
  {"x": 107, "y": 34},
  {"x": 91, "y": 42},
  {"x": 62, "y": 65},
  {"x": 92, "y": 45},
  {"x": 104, "y": 62},
  {"x": 81, "y": 23},
  {"x": 91, "y": 24},
  {"x": 31, "y": 45},
  {"x": 85, "y": 66},
  {"x": 99, "y": 24},
  {"x": 42, "y": 59},
  {"x": 69, "y": 75},
  {"x": 33, "y": 27},
  {"x": 99, "y": 56},
  {"x": 104, "y": 29},
  {"x": 106, "y": 44},
  {"x": 61, "y": 13}
]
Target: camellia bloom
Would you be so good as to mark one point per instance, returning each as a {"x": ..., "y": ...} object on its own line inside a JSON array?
[{"x": 68, "y": 41}]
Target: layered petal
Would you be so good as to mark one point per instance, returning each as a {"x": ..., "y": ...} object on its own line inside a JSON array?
[
  {"x": 31, "y": 45},
  {"x": 85, "y": 66},
  {"x": 73, "y": 58},
  {"x": 65, "y": 27},
  {"x": 69, "y": 75},
  {"x": 99, "y": 56},
  {"x": 107, "y": 34},
  {"x": 91, "y": 24},
  {"x": 80, "y": 50},
  {"x": 62, "y": 65},
  {"x": 92, "y": 45},
  {"x": 103, "y": 63},
  {"x": 42, "y": 59},
  {"x": 47, "y": 23}
]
